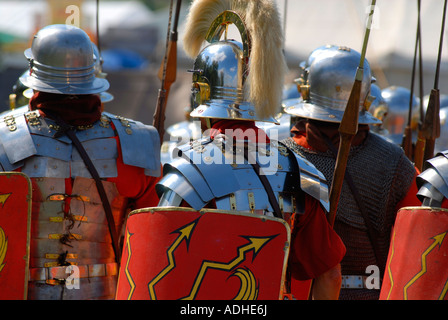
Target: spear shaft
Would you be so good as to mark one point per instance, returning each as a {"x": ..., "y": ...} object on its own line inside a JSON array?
[
  {"x": 431, "y": 124},
  {"x": 167, "y": 72},
  {"x": 348, "y": 127}
]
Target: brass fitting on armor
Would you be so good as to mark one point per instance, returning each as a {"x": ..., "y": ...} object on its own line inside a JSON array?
[
  {"x": 368, "y": 102},
  {"x": 304, "y": 89},
  {"x": 201, "y": 92},
  {"x": 12, "y": 101}
]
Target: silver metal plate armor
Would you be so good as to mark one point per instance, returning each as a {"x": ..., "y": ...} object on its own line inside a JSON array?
[
  {"x": 34, "y": 134},
  {"x": 233, "y": 184},
  {"x": 433, "y": 181},
  {"x": 80, "y": 237},
  {"x": 279, "y": 131},
  {"x": 69, "y": 225},
  {"x": 180, "y": 133}
]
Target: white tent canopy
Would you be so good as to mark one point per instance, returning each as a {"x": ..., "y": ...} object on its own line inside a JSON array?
[
  {"x": 18, "y": 17},
  {"x": 310, "y": 24}
]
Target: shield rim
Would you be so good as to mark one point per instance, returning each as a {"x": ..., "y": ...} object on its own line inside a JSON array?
[{"x": 423, "y": 208}]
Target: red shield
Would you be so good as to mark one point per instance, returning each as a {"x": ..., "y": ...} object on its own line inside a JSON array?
[
  {"x": 179, "y": 253},
  {"x": 15, "y": 222},
  {"x": 417, "y": 265}
]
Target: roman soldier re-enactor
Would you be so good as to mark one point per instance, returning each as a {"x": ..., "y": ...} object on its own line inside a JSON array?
[
  {"x": 235, "y": 171},
  {"x": 88, "y": 168},
  {"x": 417, "y": 265},
  {"x": 379, "y": 178}
]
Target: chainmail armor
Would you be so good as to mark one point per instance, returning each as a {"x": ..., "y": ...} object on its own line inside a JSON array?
[{"x": 383, "y": 175}]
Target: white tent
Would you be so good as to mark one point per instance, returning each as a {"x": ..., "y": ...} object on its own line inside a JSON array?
[
  {"x": 310, "y": 24},
  {"x": 18, "y": 17}
]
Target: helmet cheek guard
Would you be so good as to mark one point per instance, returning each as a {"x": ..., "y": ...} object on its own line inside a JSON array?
[{"x": 200, "y": 92}]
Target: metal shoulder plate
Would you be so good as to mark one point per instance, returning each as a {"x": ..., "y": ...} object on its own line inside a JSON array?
[
  {"x": 192, "y": 176},
  {"x": 206, "y": 170},
  {"x": 312, "y": 181},
  {"x": 40, "y": 154},
  {"x": 14, "y": 132},
  {"x": 433, "y": 181},
  {"x": 140, "y": 144}
]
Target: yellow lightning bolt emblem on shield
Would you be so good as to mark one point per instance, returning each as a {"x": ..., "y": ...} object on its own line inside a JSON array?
[
  {"x": 248, "y": 288},
  {"x": 3, "y": 239},
  {"x": 126, "y": 270},
  {"x": 4, "y": 197},
  {"x": 3, "y": 248},
  {"x": 255, "y": 244},
  {"x": 184, "y": 234},
  {"x": 438, "y": 239}
]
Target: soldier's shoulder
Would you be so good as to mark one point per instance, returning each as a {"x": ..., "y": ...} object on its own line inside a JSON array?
[
  {"x": 140, "y": 143},
  {"x": 433, "y": 181}
]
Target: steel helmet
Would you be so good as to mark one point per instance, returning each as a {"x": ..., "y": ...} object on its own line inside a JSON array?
[
  {"x": 305, "y": 65},
  {"x": 397, "y": 98},
  {"x": 238, "y": 80},
  {"x": 62, "y": 61},
  {"x": 328, "y": 85}
]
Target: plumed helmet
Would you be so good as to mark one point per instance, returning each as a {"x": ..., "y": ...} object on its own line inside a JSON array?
[
  {"x": 232, "y": 79},
  {"x": 62, "y": 61},
  {"x": 328, "y": 84},
  {"x": 397, "y": 98}
]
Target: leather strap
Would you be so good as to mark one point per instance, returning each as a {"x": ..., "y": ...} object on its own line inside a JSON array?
[{"x": 70, "y": 132}]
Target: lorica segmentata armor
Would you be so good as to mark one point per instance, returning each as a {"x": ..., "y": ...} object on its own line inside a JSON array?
[
  {"x": 235, "y": 185},
  {"x": 69, "y": 225},
  {"x": 433, "y": 181}
]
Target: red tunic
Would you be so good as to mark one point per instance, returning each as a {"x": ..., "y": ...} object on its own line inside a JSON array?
[{"x": 132, "y": 183}]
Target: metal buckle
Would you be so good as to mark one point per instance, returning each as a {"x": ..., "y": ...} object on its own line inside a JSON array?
[{"x": 353, "y": 282}]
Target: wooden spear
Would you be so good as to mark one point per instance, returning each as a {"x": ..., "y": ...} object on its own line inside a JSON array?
[
  {"x": 348, "y": 127},
  {"x": 407, "y": 137},
  {"x": 419, "y": 151},
  {"x": 431, "y": 125},
  {"x": 167, "y": 72}
]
